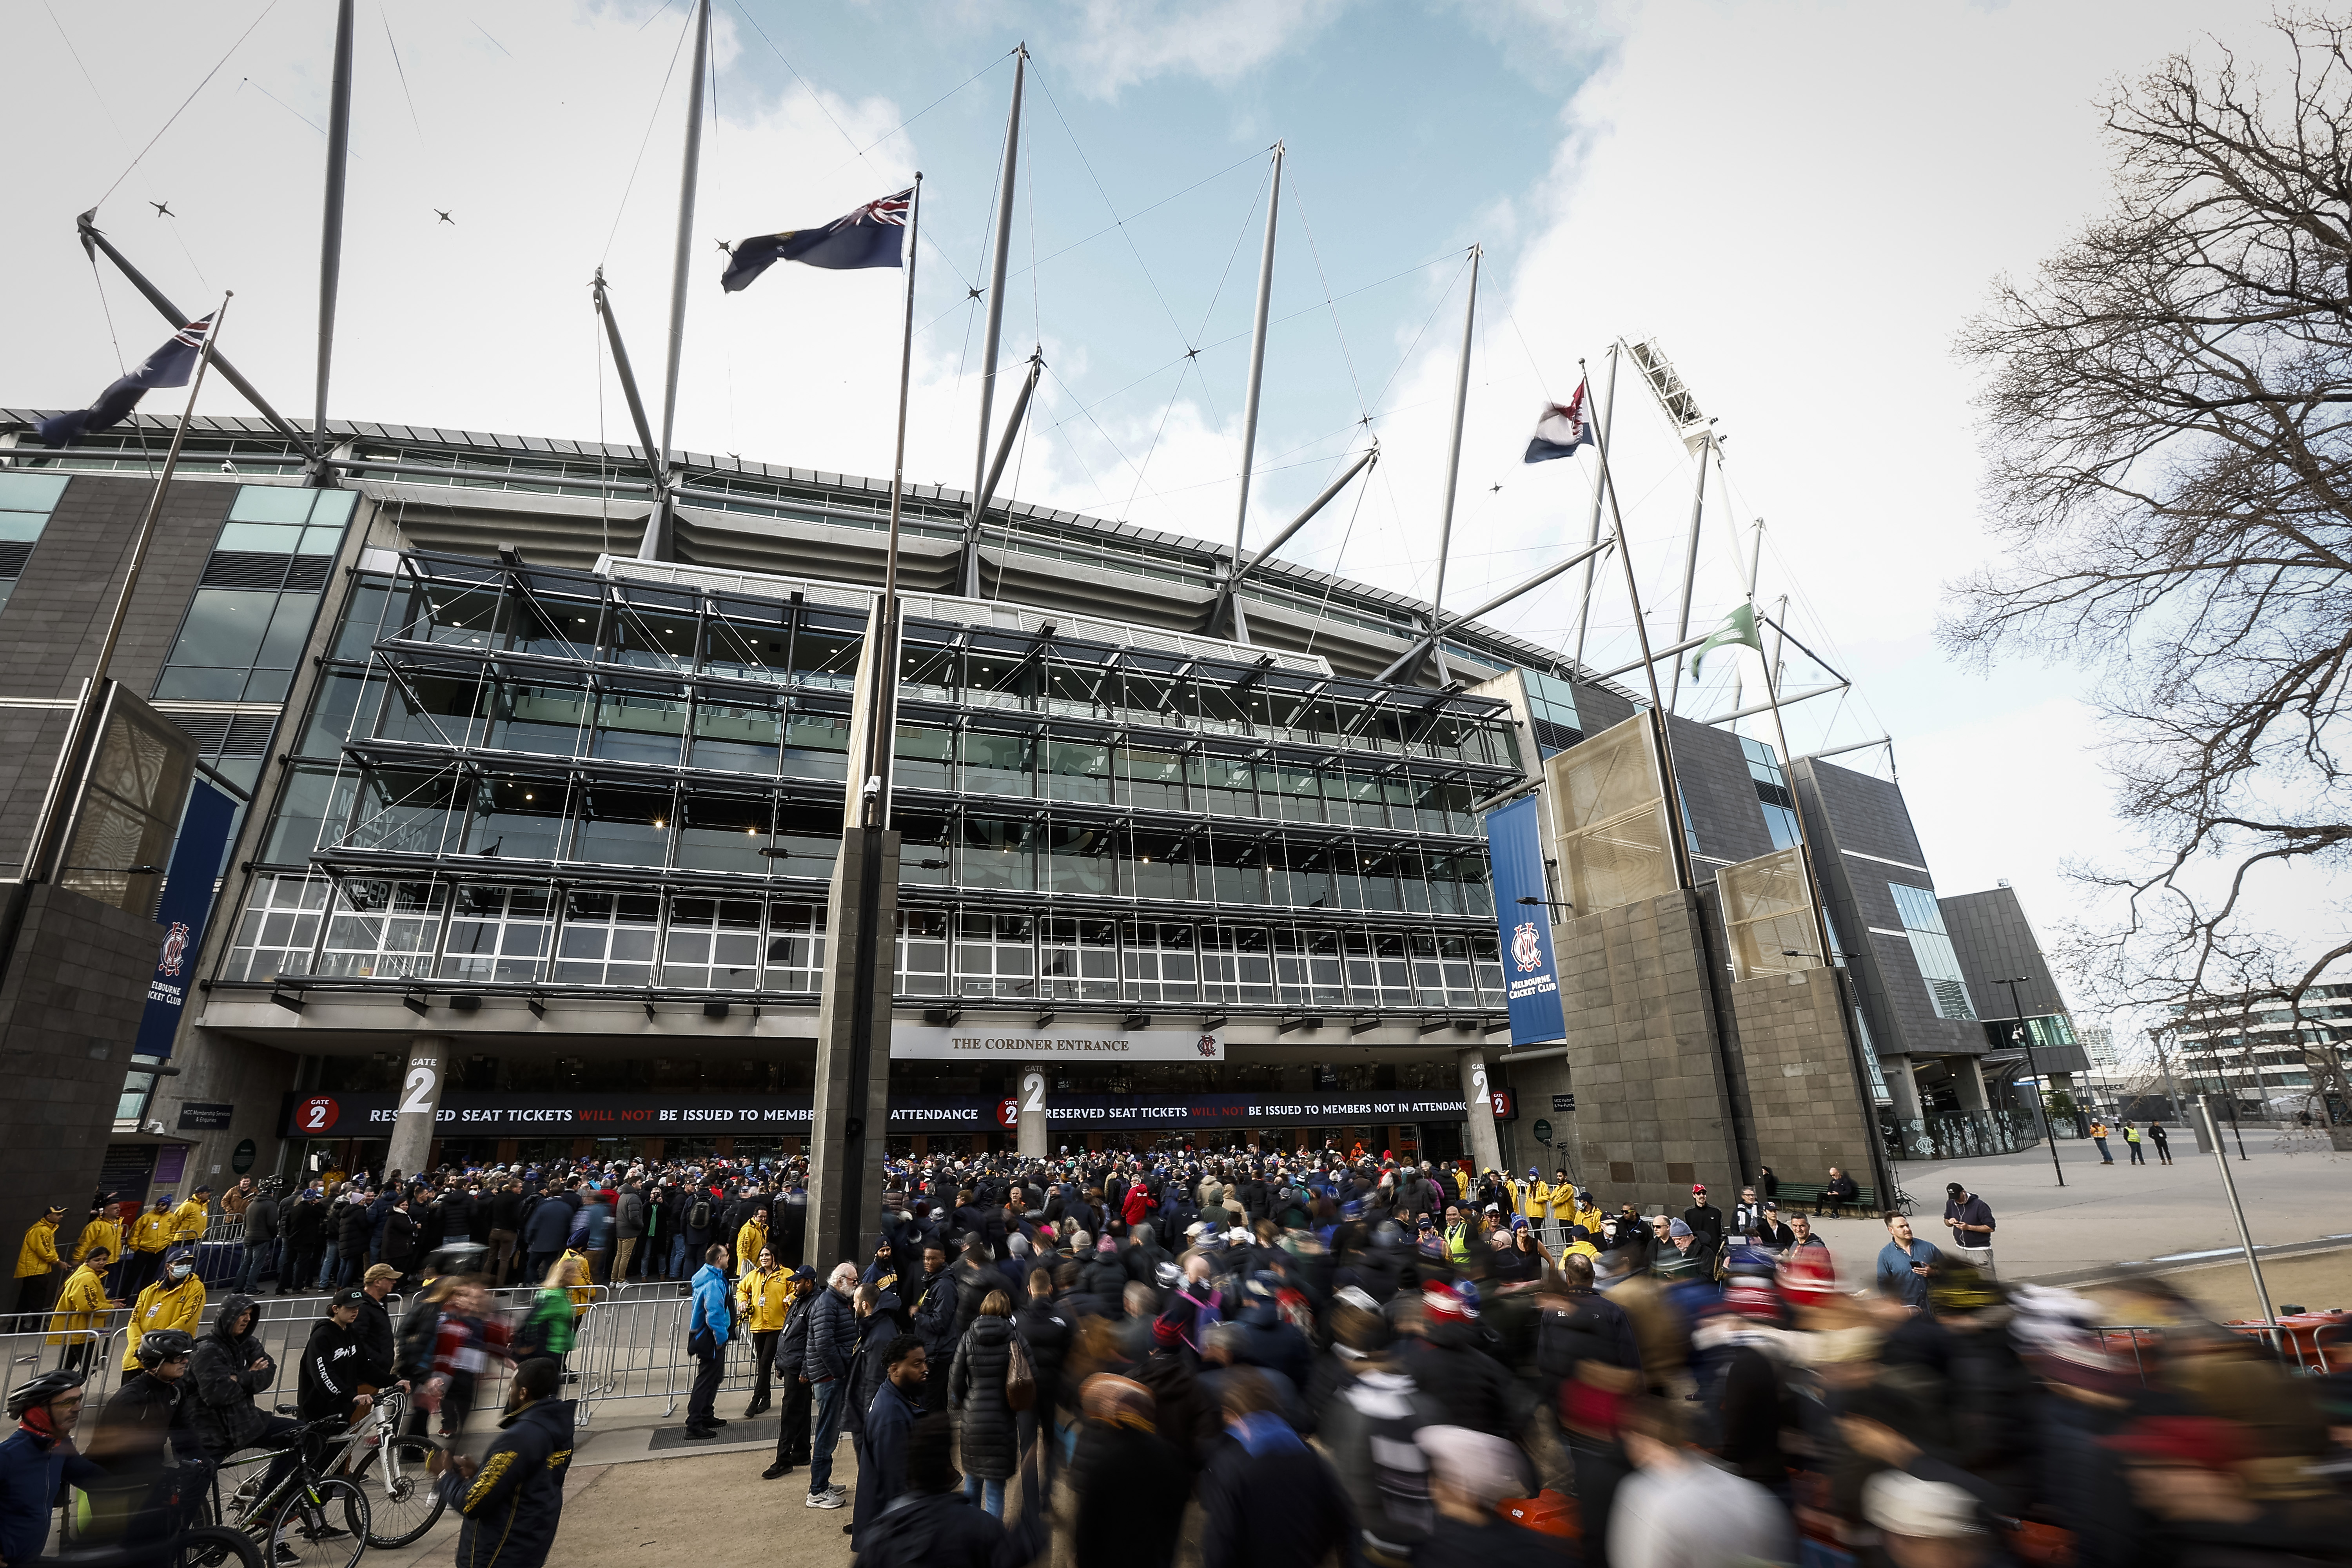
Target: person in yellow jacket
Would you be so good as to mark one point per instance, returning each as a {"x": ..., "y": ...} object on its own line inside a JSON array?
[
  {"x": 750, "y": 1238},
  {"x": 38, "y": 1264},
  {"x": 1532, "y": 1198},
  {"x": 174, "y": 1302},
  {"x": 83, "y": 1304},
  {"x": 574, "y": 1266},
  {"x": 192, "y": 1218},
  {"x": 764, "y": 1294},
  {"x": 1461, "y": 1235},
  {"x": 149, "y": 1238},
  {"x": 1584, "y": 1211},
  {"x": 103, "y": 1230}
]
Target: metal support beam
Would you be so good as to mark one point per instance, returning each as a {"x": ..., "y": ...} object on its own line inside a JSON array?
[
  {"x": 92, "y": 240},
  {"x": 1233, "y": 579},
  {"x": 330, "y": 237},
  {"x": 987, "y": 491},
  {"x": 656, "y": 468},
  {"x": 1690, "y": 563},
  {"x": 663, "y": 534},
  {"x": 968, "y": 574},
  {"x": 1787, "y": 699},
  {"x": 1454, "y": 461},
  {"x": 1257, "y": 348},
  {"x": 1592, "y": 532},
  {"x": 1841, "y": 751},
  {"x": 1529, "y": 585},
  {"x": 1683, "y": 647}
]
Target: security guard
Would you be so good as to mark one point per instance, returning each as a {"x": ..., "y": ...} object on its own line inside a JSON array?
[
  {"x": 151, "y": 1237},
  {"x": 192, "y": 1218},
  {"x": 174, "y": 1302},
  {"x": 103, "y": 1230},
  {"x": 82, "y": 1305},
  {"x": 37, "y": 1263}
]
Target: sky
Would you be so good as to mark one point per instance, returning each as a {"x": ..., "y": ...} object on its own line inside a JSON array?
[{"x": 1800, "y": 202}]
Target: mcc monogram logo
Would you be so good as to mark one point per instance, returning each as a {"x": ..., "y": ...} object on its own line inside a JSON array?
[{"x": 1527, "y": 947}]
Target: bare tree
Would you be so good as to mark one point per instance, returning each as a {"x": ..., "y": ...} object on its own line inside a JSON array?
[{"x": 2168, "y": 420}]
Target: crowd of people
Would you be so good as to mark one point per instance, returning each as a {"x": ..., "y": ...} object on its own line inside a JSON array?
[{"x": 1331, "y": 1355}]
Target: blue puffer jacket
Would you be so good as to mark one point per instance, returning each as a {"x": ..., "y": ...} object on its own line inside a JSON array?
[
  {"x": 32, "y": 1469},
  {"x": 710, "y": 1305}
]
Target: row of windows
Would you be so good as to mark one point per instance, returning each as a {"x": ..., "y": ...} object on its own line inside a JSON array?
[
  {"x": 671, "y": 731},
  {"x": 245, "y": 624},
  {"x": 774, "y": 641},
  {"x": 758, "y": 836},
  {"x": 1931, "y": 949},
  {"x": 391, "y": 930},
  {"x": 26, "y": 502}
]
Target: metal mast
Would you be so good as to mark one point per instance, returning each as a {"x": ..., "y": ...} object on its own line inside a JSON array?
[
  {"x": 1257, "y": 366},
  {"x": 970, "y": 576},
  {"x": 1454, "y": 464},
  {"x": 331, "y": 239},
  {"x": 1593, "y": 532},
  {"x": 662, "y": 534}
]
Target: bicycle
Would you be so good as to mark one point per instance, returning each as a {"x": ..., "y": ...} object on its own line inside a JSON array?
[
  {"x": 293, "y": 1523},
  {"x": 398, "y": 1471}
]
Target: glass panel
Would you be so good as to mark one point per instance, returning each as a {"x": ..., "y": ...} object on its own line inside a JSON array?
[
  {"x": 1236, "y": 964},
  {"x": 1077, "y": 770},
  {"x": 738, "y": 739},
  {"x": 1153, "y": 779},
  {"x": 649, "y": 638},
  {"x": 320, "y": 541},
  {"x": 31, "y": 492},
  {"x": 1081, "y": 858},
  {"x": 1077, "y": 959},
  {"x": 258, "y": 537},
  {"x": 22, "y": 527},
  {"x": 625, "y": 828},
  {"x": 712, "y": 944},
  {"x": 409, "y": 812},
  {"x": 465, "y": 614},
  {"x": 795, "y": 939},
  {"x": 997, "y": 764},
  {"x": 1611, "y": 811},
  {"x": 346, "y": 705},
  {"x": 497, "y": 933},
  {"x": 311, "y": 809},
  {"x": 544, "y": 719},
  {"x": 520, "y": 819},
  {"x": 436, "y": 711},
  {"x": 727, "y": 833},
  {"x": 752, "y": 652},
  {"x": 271, "y": 503},
  {"x": 816, "y": 746},
  {"x": 995, "y": 854},
  {"x": 1939, "y": 966},
  {"x": 607, "y": 939},
  {"x": 1160, "y": 865},
  {"x": 923, "y": 759},
  {"x": 362, "y": 612},
  {"x": 922, "y": 953},
  {"x": 280, "y": 923},
  {"x": 1767, "y": 916},
  {"x": 826, "y": 654},
  {"x": 224, "y": 629},
  {"x": 636, "y": 728}
]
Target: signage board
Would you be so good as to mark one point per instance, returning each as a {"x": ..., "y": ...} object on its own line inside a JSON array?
[
  {"x": 1563, "y": 1103},
  {"x": 1543, "y": 1131},
  {"x": 1505, "y": 1103},
  {"x": 1531, "y": 978},
  {"x": 1006, "y": 1040},
  {"x": 241, "y": 1160},
  {"x": 485, "y": 1115},
  {"x": 180, "y": 915},
  {"x": 205, "y": 1115}
]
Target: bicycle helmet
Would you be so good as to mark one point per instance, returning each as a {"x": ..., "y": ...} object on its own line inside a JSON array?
[
  {"x": 163, "y": 1345},
  {"x": 41, "y": 1391}
]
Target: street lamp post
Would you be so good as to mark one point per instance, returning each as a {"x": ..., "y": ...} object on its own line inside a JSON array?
[{"x": 2033, "y": 1066}]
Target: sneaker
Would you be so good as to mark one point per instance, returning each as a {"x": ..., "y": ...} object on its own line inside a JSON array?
[
  {"x": 717, "y": 1420},
  {"x": 323, "y": 1531},
  {"x": 285, "y": 1556},
  {"x": 838, "y": 1490},
  {"x": 823, "y": 1499},
  {"x": 773, "y": 1471},
  {"x": 696, "y": 1434}
]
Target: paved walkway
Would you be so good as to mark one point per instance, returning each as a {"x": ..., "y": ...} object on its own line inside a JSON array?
[{"x": 2107, "y": 1217}]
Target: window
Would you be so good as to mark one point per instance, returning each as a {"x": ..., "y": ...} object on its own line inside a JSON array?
[
  {"x": 384, "y": 929},
  {"x": 1379, "y": 974},
  {"x": 1306, "y": 967},
  {"x": 254, "y": 606},
  {"x": 712, "y": 944},
  {"x": 995, "y": 956},
  {"x": 1923, "y": 921},
  {"x": 1773, "y": 794},
  {"x": 795, "y": 948},
  {"x": 1161, "y": 965},
  {"x": 1079, "y": 960},
  {"x": 1552, "y": 714},
  {"x": 280, "y": 927},
  {"x": 497, "y": 933},
  {"x": 26, "y": 502},
  {"x": 607, "y": 939},
  {"x": 1236, "y": 964},
  {"x": 922, "y": 953}
]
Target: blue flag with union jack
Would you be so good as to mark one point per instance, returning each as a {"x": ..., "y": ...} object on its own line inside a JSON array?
[
  {"x": 870, "y": 237},
  {"x": 170, "y": 365}
]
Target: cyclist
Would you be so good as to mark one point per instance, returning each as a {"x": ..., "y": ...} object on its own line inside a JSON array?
[
  {"x": 176, "y": 1301},
  {"x": 37, "y": 1459},
  {"x": 227, "y": 1368},
  {"x": 338, "y": 1362},
  {"x": 146, "y": 1429}
]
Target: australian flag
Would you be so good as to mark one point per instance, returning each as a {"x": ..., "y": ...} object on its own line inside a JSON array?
[
  {"x": 1562, "y": 430},
  {"x": 170, "y": 365},
  {"x": 870, "y": 237}
]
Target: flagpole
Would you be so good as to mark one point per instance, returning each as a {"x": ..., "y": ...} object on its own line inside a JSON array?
[
  {"x": 331, "y": 242},
  {"x": 1453, "y": 465},
  {"x": 881, "y": 719},
  {"x": 1592, "y": 533},
  {"x": 39, "y": 850},
  {"x": 1257, "y": 378},
  {"x": 1684, "y": 873},
  {"x": 1690, "y": 558},
  {"x": 666, "y": 512}
]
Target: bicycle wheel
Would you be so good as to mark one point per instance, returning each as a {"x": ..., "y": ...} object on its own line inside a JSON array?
[
  {"x": 322, "y": 1525},
  {"x": 398, "y": 1478},
  {"x": 215, "y": 1546}
]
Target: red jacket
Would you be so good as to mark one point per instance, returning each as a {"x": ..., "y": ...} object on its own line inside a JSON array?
[{"x": 1138, "y": 1206}]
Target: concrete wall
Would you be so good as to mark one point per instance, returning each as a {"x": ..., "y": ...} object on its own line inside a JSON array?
[
  {"x": 1653, "y": 1112},
  {"x": 1808, "y": 1111},
  {"x": 70, "y": 1011}
]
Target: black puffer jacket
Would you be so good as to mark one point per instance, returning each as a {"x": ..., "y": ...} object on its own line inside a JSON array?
[
  {"x": 222, "y": 1379},
  {"x": 832, "y": 1346},
  {"x": 1047, "y": 1328},
  {"x": 976, "y": 1387},
  {"x": 352, "y": 1231}
]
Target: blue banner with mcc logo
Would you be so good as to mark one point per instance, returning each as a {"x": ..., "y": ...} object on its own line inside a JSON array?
[{"x": 1531, "y": 978}]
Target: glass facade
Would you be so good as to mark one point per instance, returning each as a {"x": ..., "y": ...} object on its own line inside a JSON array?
[
  {"x": 26, "y": 502},
  {"x": 254, "y": 606},
  {"x": 540, "y": 776},
  {"x": 1771, "y": 793},
  {"x": 1551, "y": 712},
  {"x": 1931, "y": 949}
]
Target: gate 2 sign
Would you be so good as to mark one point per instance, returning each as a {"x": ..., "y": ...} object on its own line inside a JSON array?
[
  {"x": 1008, "y": 1114},
  {"x": 1506, "y": 1104},
  {"x": 317, "y": 1115}
]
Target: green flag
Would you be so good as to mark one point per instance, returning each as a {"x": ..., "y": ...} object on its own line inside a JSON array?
[{"x": 1739, "y": 629}]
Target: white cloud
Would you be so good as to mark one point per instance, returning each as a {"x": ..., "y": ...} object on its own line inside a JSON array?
[{"x": 1118, "y": 44}]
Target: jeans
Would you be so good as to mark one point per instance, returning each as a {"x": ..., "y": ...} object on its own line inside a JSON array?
[
  {"x": 277, "y": 1430},
  {"x": 2104, "y": 1158},
  {"x": 327, "y": 1266},
  {"x": 260, "y": 1257},
  {"x": 989, "y": 1495},
  {"x": 297, "y": 1272},
  {"x": 2136, "y": 1157},
  {"x": 676, "y": 1257},
  {"x": 539, "y": 1263},
  {"x": 832, "y": 1397},
  {"x": 502, "y": 1255}
]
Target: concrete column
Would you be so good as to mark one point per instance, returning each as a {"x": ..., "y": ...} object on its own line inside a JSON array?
[
  {"x": 840, "y": 1099},
  {"x": 418, "y": 1103},
  {"x": 1968, "y": 1075},
  {"x": 1902, "y": 1086},
  {"x": 1029, "y": 1092},
  {"x": 1486, "y": 1145}
]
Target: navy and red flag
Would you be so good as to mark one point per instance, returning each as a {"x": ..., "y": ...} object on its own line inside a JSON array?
[
  {"x": 870, "y": 237},
  {"x": 1562, "y": 429},
  {"x": 170, "y": 365}
]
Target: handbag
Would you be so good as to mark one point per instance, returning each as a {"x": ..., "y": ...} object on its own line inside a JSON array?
[{"x": 1020, "y": 1378}]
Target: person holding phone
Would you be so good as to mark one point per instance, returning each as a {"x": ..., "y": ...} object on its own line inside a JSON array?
[{"x": 1903, "y": 1262}]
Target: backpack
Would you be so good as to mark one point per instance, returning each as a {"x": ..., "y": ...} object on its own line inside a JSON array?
[{"x": 698, "y": 1217}]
